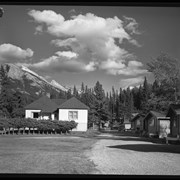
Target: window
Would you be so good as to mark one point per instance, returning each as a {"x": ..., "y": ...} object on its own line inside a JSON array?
[
  {"x": 175, "y": 121},
  {"x": 73, "y": 115},
  {"x": 35, "y": 115},
  {"x": 138, "y": 122},
  {"x": 151, "y": 123}
]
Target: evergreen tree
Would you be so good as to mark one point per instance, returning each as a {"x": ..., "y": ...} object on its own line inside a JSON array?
[
  {"x": 101, "y": 105},
  {"x": 18, "y": 103},
  {"x": 75, "y": 92},
  {"x": 82, "y": 87},
  {"x": 69, "y": 94},
  {"x": 6, "y": 94}
]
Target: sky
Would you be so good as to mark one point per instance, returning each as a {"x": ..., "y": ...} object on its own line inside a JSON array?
[{"x": 75, "y": 44}]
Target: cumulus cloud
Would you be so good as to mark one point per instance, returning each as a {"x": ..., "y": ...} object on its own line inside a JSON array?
[
  {"x": 67, "y": 54},
  {"x": 62, "y": 61},
  {"x": 133, "y": 68},
  {"x": 125, "y": 83},
  {"x": 12, "y": 53},
  {"x": 91, "y": 40},
  {"x": 131, "y": 25}
]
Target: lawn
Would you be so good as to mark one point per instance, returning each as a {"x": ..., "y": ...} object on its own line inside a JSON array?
[{"x": 52, "y": 154}]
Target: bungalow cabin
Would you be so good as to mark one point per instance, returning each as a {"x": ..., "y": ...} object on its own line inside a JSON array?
[
  {"x": 174, "y": 115},
  {"x": 156, "y": 123},
  {"x": 137, "y": 122},
  {"x": 59, "y": 109}
]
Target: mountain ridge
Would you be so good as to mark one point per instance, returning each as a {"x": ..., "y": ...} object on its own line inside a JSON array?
[{"x": 27, "y": 81}]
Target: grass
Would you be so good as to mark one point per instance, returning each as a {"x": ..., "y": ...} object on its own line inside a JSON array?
[{"x": 41, "y": 154}]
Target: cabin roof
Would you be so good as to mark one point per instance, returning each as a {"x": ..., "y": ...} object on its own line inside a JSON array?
[
  {"x": 73, "y": 103},
  {"x": 59, "y": 101},
  {"x": 156, "y": 114},
  {"x": 174, "y": 108},
  {"x": 137, "y": 117},
  {"x": 44, "y": 104},
  {"x": 48, "y": 105}
]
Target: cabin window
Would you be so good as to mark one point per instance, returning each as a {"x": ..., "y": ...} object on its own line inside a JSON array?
[
  {"x": 175, "y": 121},
  {"x": 73, "y": 115},
  {"x": 35, "y": 115},
  {"x": 151, "y": 122},
  {"x": 138, "y": 122}
]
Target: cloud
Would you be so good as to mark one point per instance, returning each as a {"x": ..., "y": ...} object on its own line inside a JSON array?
[
  {"x": 131, "y": 25},
  {"x": 12, "y": 53},
  {"x": 47, "y": 16},
  {"x": 125, "y": 83},
  {"x": 67, "y": 54},
  {"x": 62, "y": 61},
  {"x": 133, "y": 68},
  {"x": 92, "y": 39}
]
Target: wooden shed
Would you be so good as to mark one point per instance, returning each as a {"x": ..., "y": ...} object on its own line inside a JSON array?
[
  {"x": 174, "y": 115},
  {"x": 137, "y": 122},
  {"x": 156, "y": 123}
]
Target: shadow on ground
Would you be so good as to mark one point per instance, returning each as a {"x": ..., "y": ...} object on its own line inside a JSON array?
[
  {"x": 149, "y": 148},
  {"x": 128, "y": 136}
]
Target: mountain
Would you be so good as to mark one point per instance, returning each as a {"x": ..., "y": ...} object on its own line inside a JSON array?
[
  {"x": 57, "y": 85},
  {"x": 30, "y": 83}
]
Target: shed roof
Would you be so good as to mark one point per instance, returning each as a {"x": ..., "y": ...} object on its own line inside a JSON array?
[
  {"x": 126, "y": 121},
  {"x": 158, "y": 115},
  {"x": 44, "y": 104},
  {"x": 173, "y": 108},
  {"x": 73, "y": 103},
  {"x": 176, "y": 108},
  {"x": 137, "y": 117}
]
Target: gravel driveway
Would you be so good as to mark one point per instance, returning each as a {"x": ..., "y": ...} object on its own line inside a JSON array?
[{"x": 126, "y": 155}]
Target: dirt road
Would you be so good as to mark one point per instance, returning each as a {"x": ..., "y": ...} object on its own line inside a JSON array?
[{"x": 125, "y": 155}]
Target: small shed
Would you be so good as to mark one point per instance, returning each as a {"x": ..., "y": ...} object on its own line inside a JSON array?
[
  {"x": 137, "y": 122},
  {"x": 174, "y": 115},
  {"x": 126, "y": 125},
  {"x": 156, "y": 123}
]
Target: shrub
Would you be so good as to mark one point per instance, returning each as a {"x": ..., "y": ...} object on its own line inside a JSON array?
[{"x": 41, "y": 125}]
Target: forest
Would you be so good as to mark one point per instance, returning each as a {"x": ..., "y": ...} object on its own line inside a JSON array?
[{"x": 113, "y": 106}]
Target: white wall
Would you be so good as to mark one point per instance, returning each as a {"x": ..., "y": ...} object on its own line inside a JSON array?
[
  {"x": 29, "y": 113},
  {"x": 82, "y": 118}
]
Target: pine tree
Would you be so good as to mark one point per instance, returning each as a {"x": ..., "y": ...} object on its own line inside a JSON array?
[
  {"x": 69, "y": 94},
  {"x": 82, "y": 87},
  {"x": 75, "y": 92},
  {"x": 6, "y": 94},
  {"x": 146, "y": 90},
  {"x": 101, "y": 105}
]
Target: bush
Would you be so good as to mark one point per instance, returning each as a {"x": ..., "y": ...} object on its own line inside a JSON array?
[{"x": 41, "y": 125}]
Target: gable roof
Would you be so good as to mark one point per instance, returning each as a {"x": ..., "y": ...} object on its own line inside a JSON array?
[
  {"x": 175, "y": 108},
  {"x": 156, "y": 114},
  {"x": 137, "y": 117},
  {"x": 44, "y": 104},
  {"x": 59, "y": 101},
  {"x": 73, "y": 103},
  {"x": 126, "y": 121}
]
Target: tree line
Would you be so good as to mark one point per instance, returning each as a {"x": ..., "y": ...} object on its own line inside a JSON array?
[{"x": 114, "y": 106}]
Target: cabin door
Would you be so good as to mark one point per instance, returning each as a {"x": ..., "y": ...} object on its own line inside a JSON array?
[{"x": 164, "y": 128}]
